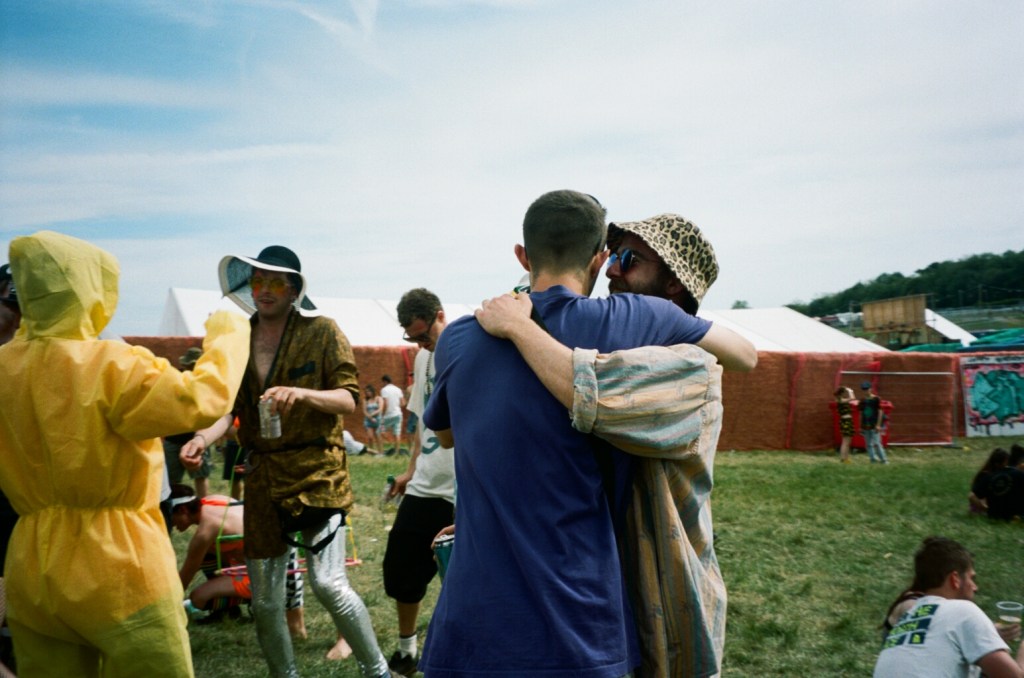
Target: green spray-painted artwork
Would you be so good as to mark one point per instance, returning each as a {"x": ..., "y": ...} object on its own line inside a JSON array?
[{"x": 993, "y": 395}]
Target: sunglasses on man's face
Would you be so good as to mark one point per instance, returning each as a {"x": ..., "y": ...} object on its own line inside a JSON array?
[
  {"x": 275, "y": 285},
  {"x": 626, "y": 257},
  {"x": 423, "y": 337}
]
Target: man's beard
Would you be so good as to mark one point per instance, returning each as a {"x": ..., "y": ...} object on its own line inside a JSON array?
[{"x": 654, "y": 288}]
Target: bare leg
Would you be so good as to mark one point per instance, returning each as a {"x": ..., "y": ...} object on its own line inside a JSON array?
[
  {"x": 218, "y": 587},
  {"x": 407, "y": 613},
  {"x": 296, "y": 618},
  {"x": 341, "y": 650}
]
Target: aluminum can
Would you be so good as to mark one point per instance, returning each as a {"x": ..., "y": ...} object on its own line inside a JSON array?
[
  {"x": 443, "y": 552},
  {"x": 270, "y": 421}
]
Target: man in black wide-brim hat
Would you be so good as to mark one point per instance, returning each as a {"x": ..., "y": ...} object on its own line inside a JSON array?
[{"x": 302, "y": 371}]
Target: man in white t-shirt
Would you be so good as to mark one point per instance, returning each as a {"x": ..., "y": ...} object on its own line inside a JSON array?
[
  {"x": 945, "y": 633},
  {"x": 391, "y": 421},
  {"x": 428, "y": 485}
]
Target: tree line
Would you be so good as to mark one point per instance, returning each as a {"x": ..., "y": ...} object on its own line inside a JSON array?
[{"x": 977, "y": 280}]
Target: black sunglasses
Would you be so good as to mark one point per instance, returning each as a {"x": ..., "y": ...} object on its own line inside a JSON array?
[
  {"x": 424, "y": 337},
  {"x": 626, "y": 258}
]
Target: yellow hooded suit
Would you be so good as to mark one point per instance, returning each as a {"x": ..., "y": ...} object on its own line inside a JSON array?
[{"x": 92, "y": 580}]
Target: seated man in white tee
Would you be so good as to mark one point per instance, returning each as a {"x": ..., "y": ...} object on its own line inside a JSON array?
[
  {"x": 354, "y": 447},
  {"x": 945, "y": 633}
]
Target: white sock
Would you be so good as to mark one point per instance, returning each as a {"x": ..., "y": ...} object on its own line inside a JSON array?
[{"x": 407, "y": 645}]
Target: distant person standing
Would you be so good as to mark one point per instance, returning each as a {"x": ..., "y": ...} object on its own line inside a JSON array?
[
  {"x": 173, "y": 443},
  {"x": 391, "y": 423},
  {"x": 234, "y": 460},
  {"x": 870, "y": 406},
  {"x": 844, "y": 396},
  {"x": 373, "y": 411}
]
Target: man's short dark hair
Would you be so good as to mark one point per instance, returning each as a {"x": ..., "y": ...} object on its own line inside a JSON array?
[
  {"x": 563, "y": 230},
  {"x": 936, "y": 559},
  {"x": 418, "y": 303},
  {"x": 386, "y": 378}
]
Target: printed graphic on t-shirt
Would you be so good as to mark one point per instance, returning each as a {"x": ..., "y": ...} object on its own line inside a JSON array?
[{"x": 913, "y": 627}]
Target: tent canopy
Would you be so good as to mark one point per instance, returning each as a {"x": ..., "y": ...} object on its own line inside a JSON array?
[
  {"x": 366, "y": 322},
  {"x": 374, "y": 322},
  {"x": 783, "y": 329}
]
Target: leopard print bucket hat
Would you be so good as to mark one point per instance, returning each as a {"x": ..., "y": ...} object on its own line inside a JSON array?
[{"x": 680, "y": 244}]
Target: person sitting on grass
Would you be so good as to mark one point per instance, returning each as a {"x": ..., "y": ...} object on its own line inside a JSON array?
[
  {"x": 978, "y": 496},
  {"x": 943, "y": 633},
  {"x": 218, "y": 516},
  {"x": 355, "y": 448},
  {"x": 1005, "y": 491}
]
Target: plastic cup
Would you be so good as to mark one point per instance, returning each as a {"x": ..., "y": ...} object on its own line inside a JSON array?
[{"x": 1009, "y": 612}]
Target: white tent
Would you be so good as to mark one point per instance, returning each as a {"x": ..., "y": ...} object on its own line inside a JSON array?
[
  {"x": 366, "y": 322},
  {"x": 373, "y": 322},
  {"x": 783, "y": 329}
]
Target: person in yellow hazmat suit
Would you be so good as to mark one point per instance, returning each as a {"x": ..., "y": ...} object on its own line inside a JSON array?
[{"x": 93, "y": 585}]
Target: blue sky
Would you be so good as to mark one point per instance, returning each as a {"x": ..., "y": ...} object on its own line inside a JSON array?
[{"x": 396, "y": 145}]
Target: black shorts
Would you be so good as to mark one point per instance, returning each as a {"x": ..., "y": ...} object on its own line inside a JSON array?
[{"x": 409, "y": 559}]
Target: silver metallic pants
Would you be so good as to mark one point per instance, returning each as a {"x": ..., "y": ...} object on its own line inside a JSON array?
[{"x": 326, "y": 574}]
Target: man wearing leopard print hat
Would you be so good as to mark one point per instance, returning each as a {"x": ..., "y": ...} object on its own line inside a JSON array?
[{"x": 665, "y": 256}]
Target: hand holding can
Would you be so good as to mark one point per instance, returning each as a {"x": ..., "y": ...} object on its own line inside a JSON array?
[{"x": 270, "y": 420}]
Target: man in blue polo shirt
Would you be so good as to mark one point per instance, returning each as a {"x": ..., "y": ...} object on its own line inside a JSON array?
[{"x": 534, "y": 586}]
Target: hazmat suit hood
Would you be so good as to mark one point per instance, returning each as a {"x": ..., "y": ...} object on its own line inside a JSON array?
[{"x": 69, "y": 291}]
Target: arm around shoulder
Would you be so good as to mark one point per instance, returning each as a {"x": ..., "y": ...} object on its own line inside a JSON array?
[{"x": 733, "y": 351}]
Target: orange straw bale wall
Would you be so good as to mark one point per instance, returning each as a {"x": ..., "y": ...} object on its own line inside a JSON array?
[{"x": 782, "y": 404}]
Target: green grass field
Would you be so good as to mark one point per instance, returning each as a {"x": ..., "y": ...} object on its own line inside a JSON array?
[{"x": 812, "y": 551}]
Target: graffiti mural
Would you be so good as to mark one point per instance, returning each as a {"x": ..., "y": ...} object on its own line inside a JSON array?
[{"x": 993, "y": 395}]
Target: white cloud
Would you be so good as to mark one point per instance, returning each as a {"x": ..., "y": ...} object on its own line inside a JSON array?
[{"x": 818, "y": 144}]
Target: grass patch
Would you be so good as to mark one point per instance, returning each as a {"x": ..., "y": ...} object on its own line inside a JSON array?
[{"x": 812, "y": 551}]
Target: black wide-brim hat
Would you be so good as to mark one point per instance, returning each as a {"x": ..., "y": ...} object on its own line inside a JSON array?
[{"x": 236, "y": 270}]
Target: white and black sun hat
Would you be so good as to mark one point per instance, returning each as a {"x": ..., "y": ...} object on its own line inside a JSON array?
[{"x": 236, "y": 270}]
